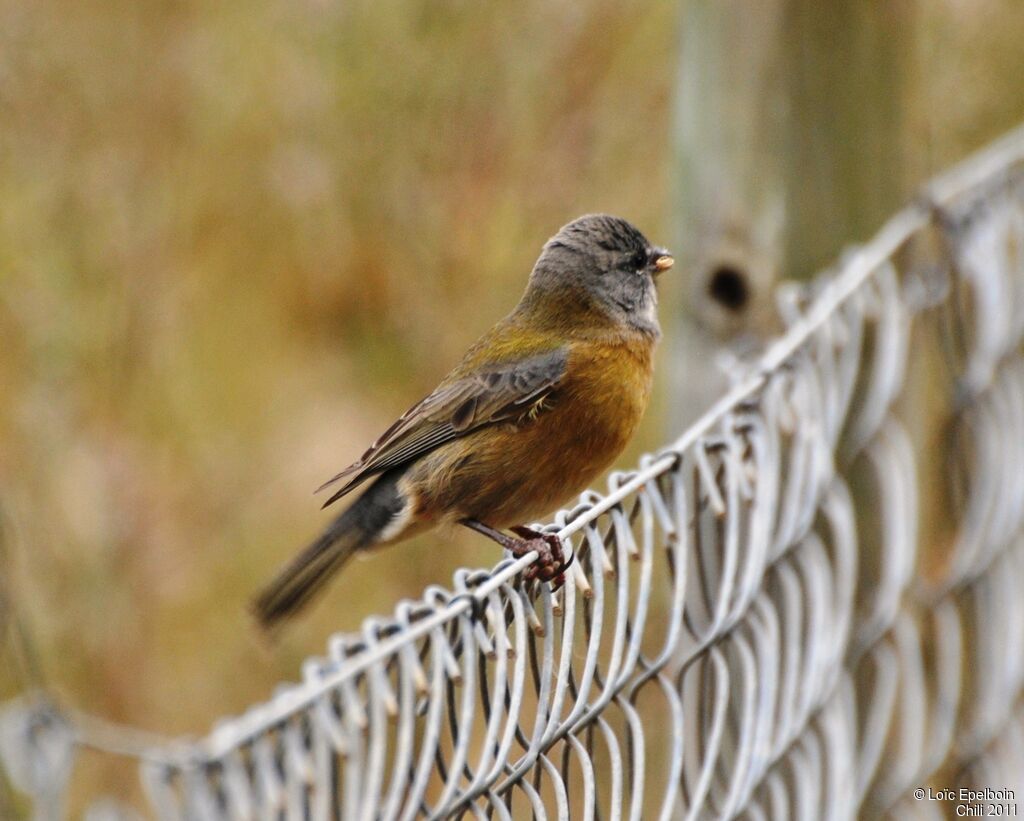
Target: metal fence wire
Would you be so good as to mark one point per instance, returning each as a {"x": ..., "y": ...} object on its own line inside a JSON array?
[{"x": 808, "y": 607}]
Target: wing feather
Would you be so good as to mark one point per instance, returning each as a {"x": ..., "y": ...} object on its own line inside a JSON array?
[{"x": 498, "y": 393}]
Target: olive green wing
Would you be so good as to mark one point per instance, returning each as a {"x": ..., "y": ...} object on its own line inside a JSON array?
[{"x": 497, "y": 393}]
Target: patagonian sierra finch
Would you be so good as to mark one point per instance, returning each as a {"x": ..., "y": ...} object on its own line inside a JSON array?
[{"x": 533, "y": 413}]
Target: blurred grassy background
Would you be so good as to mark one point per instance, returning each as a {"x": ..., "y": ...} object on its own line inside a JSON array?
[{"x": 236, "y": 239}]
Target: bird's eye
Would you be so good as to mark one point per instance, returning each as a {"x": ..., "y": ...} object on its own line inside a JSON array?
[{"x": 633, "y": 263}]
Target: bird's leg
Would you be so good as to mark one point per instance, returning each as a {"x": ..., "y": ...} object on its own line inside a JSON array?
[{"x": 550, "y": 564}]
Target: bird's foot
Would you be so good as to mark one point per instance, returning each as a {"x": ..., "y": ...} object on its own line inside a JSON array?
[{"x": 551, "y": 562}]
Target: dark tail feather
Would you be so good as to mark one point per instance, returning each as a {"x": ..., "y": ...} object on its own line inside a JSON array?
[{"x": 304, "y": 577}]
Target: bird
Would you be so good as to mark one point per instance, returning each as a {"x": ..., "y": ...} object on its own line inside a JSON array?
[{"x": 535, "y": 411}]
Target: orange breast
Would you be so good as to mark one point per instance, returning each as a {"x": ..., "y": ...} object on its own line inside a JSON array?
[{"x": 513, "y": 474}]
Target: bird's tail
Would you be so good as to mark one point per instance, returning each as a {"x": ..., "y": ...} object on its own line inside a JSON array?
[{"x": 304, "y": 576}]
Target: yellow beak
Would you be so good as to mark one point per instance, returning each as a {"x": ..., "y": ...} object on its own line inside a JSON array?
[{"x": 663, "y": 263}]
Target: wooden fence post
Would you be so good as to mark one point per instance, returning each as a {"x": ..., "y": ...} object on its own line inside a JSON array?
[{"x": 790, "y": 133}]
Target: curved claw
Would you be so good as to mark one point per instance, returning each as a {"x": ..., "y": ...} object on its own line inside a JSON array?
[{"x": 551, "y": 562}]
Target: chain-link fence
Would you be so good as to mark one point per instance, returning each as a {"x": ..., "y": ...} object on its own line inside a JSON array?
[{"x": 809, "y": 606}]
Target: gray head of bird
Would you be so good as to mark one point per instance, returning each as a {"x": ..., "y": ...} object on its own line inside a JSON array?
[{"x": 598, "y": 268}]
